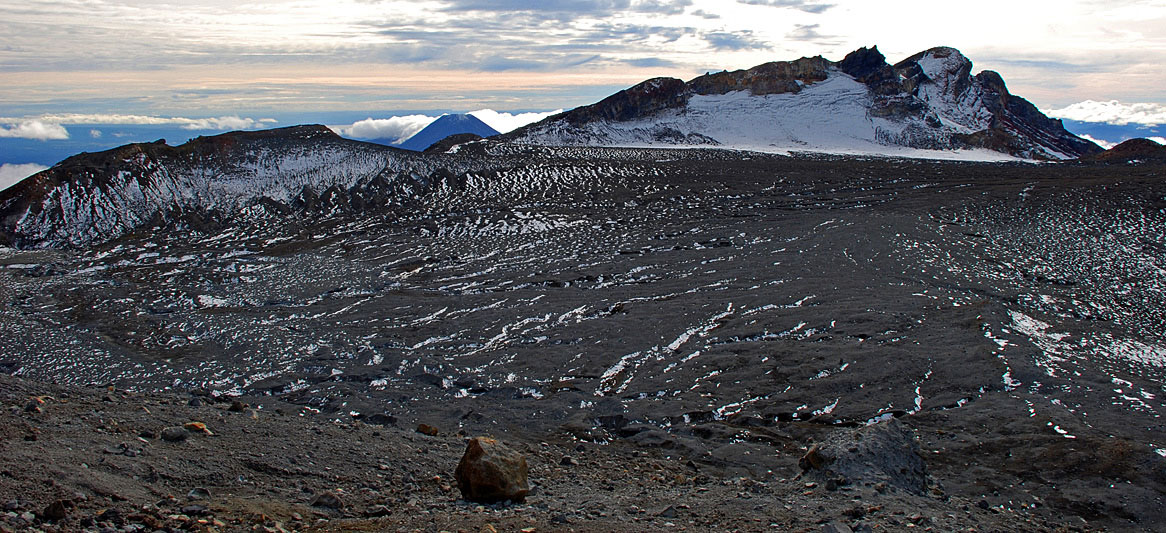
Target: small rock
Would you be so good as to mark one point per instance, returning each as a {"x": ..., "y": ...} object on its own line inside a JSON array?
[
  {"x": 147, "y": 434},
  {"x": 836, "y": 527},
  {"x": 175, "y": 434},
  {"x": 426, "y": 429},
  {"x": 57, "y": 510},
  {"x": 669, "y": 512},
  {"x": 195, "y": 510},
  {"x": 491, "y": 472},
  {"x": 380, "y": 419},
  {"x": 194, "y": 402},
  {"x": 237, "y": 407},
  {"x": 567, "y": 460},
  {"x": 813, "y": 459},
  {"x": 328, "y": 500},
  {"x": 378, "y": 511},
  {"x": 199, "y": 493}
]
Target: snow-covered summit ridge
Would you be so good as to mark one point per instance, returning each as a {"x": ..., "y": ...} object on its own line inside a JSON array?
[{"x": 928, "y": 105}]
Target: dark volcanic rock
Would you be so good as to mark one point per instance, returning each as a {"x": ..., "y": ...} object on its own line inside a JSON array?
[
  {"x": 491, "y": 472},
  {"x": 57, "y": 510},
  {"x": 869, "y": 66},
  {"x": 175, "y": 434},
  {"x": 886, "y": 452}
]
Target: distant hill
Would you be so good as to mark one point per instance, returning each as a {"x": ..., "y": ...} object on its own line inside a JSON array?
[
  {"x": 1131, "y": 150},
  {"x": 445, "y": 126}
]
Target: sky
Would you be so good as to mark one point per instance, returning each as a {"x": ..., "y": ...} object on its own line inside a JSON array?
[{"x": 73, "y": 70}]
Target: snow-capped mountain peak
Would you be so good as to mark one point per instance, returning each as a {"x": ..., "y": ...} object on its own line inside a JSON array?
[{"x": 928, "y": 105}]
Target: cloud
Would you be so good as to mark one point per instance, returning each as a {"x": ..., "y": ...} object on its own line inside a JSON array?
[
  {"x": 1099, "y": 142},
  {"x": 394, "y": 129},
  {"x": 213, "y": 123},
  {"x": 32, "y": 129},
  {"x": 224, "y": 123},
  {"x": 649, "y": 62},
  {"x": 12, "y": 174},
  {"x": 96, "y": 134},
  {"x": 742, "y": 40},
  {"x": 808, "y": 7},
  {"x": 506, "y": 122},
  {"x": 807, "y": 32},
  {"x": 1112, "y": 112},
  {"x": 570, "y": 9}
]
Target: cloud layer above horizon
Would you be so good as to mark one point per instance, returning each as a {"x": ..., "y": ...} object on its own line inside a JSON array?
[
  {"x": 224, "y": 58},
  {"x": 1113, "y": 112},
  {"x": 52, "y": 127}
]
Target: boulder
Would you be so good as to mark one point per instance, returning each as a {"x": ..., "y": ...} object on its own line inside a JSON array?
[
  {"x": 328, "y": 500},
  {"x": 175, "y": 434},
  {"x": 491, "y": 472},
  {"x": 887, "y": 452}
]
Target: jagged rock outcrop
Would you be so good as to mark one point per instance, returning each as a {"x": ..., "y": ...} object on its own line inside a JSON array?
[{"x": 862, "y": 104}]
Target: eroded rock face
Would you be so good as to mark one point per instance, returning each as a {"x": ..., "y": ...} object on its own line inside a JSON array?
[
  {"x": 778, "y": 77},
  {"x": 491, "y": 472},
  {"x": 645, "y": 98}
]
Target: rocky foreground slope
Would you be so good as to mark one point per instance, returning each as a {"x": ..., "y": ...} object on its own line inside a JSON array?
[
  {"x": 699, "y": 313},
  {"x": 929, "y": 102},
  {"x": 95, "y": 459}
]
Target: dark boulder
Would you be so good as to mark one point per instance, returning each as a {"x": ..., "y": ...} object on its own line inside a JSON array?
[{"x": 887, "y": 452}]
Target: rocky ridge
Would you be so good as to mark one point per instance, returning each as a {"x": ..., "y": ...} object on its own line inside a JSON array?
[{"x": 93, "y": 197}]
